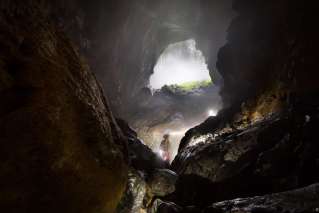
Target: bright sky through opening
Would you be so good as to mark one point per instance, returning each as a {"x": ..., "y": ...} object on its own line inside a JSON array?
[{"x": 179, "y": 63}]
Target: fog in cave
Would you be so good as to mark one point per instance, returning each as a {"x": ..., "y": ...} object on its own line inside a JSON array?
[{"x": 180, "y": 63}]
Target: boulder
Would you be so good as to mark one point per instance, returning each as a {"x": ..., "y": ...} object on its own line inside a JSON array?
[
  {"x": 142, "y": 192},
  {"x": 132, "y": 201},
  {"x": 162, "y": 182}
]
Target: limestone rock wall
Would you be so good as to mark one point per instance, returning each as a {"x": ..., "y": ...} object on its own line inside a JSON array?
[
  {"x": 60, "y": 148},
  {"x": 269, "y": 43}
]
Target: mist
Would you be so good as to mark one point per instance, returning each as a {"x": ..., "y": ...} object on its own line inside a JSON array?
[{"x": 179, "y": 63}]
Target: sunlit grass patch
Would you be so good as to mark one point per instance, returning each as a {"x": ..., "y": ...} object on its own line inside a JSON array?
[
  {"x": 187, "y": 86},
  {"x": 194, "y": 85}
]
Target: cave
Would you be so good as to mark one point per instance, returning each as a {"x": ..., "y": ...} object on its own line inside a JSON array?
[
  {"x": 180, "y": 63},
  {"x": 181, "y": 94},
  {"x": 162, "y": 106}
]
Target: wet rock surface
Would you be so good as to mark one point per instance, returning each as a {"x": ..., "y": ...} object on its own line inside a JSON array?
[
  {"x": 162, "y": 182},
  {"x": 143, "y": 193},
  {"x": 132, "y": 200}
]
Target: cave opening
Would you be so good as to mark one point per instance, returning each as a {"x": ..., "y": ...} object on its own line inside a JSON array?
[
  {"x": 183, "y": 96},
  {"x": 181, "y": 64}
]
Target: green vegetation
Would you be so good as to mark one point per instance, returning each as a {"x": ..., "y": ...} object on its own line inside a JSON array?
[
  {"x": 188, "y": 86},
  {"x": 194, "y": 85}
]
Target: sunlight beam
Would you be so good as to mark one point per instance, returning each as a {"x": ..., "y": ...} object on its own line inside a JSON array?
[{"x": 180, "y": 63}]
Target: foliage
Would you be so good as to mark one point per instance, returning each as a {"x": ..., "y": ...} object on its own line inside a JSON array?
[
  {"x": 194, "y": 85},
  {"x": 189, "y": 86}
]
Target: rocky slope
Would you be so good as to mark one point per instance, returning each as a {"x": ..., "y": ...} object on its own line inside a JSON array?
[{"x": 61, "y": 150}]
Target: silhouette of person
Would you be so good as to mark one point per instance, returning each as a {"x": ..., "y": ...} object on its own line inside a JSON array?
[{"x": 164, "y": 147}]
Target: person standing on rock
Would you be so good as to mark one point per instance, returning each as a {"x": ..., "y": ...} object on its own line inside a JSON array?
[{"x": 164, "y": 148}]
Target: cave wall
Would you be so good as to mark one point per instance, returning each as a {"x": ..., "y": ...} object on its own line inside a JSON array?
[
  {"x": 60, "y": 147},
  {"x": 211, "y": 32},
  {"x": 269, "y": 43}
]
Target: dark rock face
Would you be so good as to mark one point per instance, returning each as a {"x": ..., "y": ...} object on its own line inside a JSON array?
[
  {"x": 298, "y": 201},
  {"x": 61, "y": 150},
  {"x": 269, "y": 41},
  {"x": 271, "y": 155},
  {"x": 141, "y": 157}
]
